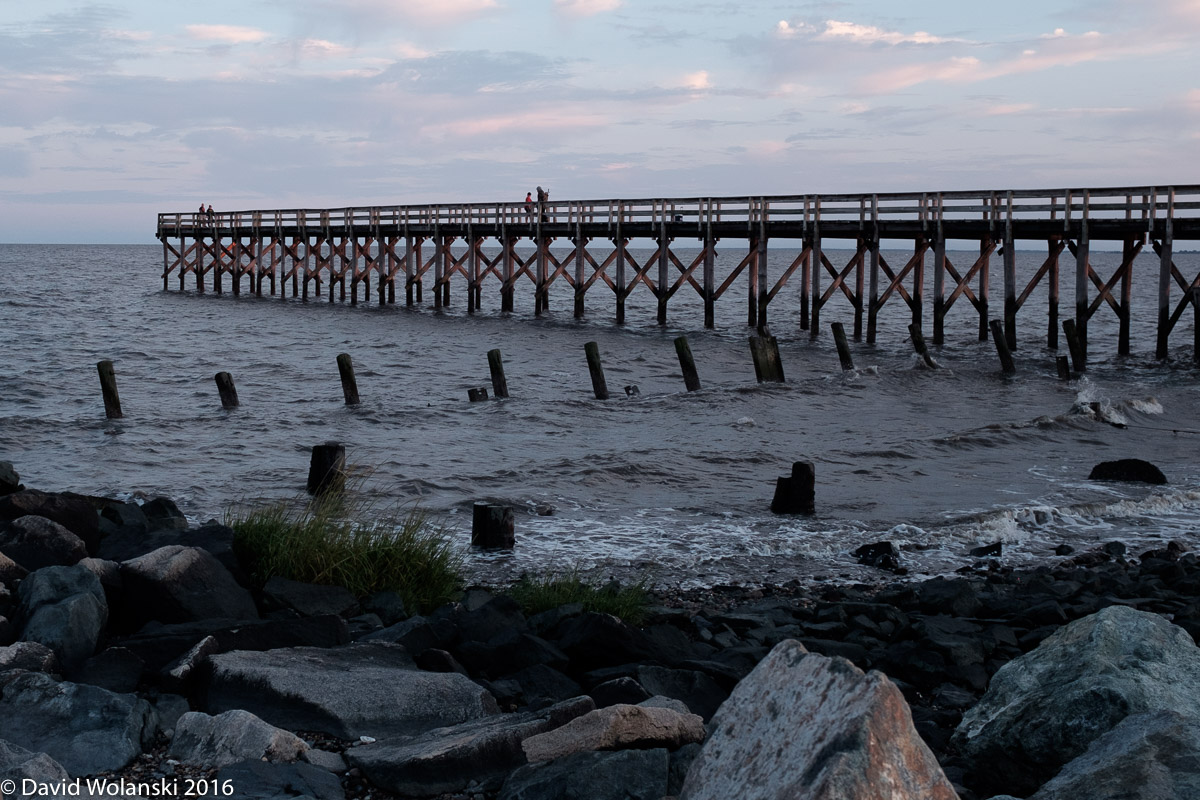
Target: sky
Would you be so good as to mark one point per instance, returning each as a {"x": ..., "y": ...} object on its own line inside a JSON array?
[{"x": 113, "y": 112}]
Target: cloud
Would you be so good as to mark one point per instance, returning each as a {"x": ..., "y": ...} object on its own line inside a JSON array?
[
  {"x": 585, "y": 8},
  {"x": 227, "y": 34},
  {"x": 697, "y": 80},
  {"x": 869, "y": 34},
  {"x": 524, "y": 121},
  {"x": 1004, "y": 109}
]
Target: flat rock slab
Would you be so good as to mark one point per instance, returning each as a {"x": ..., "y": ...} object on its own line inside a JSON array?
[
  {"x": 1152, "y": 756},
  {"x": 86, "y": 729},
  {"x": 449, "y": 759},
  {"x": 261, "y": 780},
  {"x": 621, "y": 775},
  {"x": 1043, "y": 709},
  {"x": 358, "y": 690},
  {"x": 215, "y": 742},
  {"x": 804, "y": 725},
  {"x": 615, "y": 728}
]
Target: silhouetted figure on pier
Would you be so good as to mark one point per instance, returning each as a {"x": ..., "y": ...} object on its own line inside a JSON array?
[
  {"x": 529, "y": 206},
  {"x": 543, "y": 196},
  {"x": 212, "y": 218}
]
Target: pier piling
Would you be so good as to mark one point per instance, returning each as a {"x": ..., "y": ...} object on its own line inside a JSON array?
[
  {"x": 108, "y": 387},
  {"x": 349, "y": 384},
  {"x": 225, "y": 387},
  {"x": 1002, "y": 349},
  {"x": 496, "y": 366},
  {"x": 327, "y": 469},
  {"x": 691, "y": 379},
  {"x": 599, "y": 387},
  {"x": 843, "y": 348}
]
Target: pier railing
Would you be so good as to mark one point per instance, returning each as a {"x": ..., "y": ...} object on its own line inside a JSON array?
[{"x": 353, "y": 245}]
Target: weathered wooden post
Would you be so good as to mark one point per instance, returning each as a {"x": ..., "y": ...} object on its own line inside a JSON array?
[
  {"x": 998, "y": 336},
  {"x": 795, "y": 494},
  {"x": 477, "y": 394},
  {"x": 1074, "y": 345},
  {"x": 765, "y": 352},
  {"x": 918, "y": 340},
  {"x": 327, "y": 469},
  {"x": 229, "y": 397},
  {"x": 496, "y": 366},
  {"x": 597, "y": 371},
  {"x": 843, "y": 348},
  {"x": 688, "y": 364},
  {"x": 493, "y": 526},
  {"x": 349, "y": 384},
  {"x": 108, "y": 387},
  {"x": 1064, "y": 367}
]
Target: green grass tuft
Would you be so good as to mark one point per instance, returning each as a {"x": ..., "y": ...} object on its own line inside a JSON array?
[
  {"x": 335, "y": 542},
  {"x": 542, "y": 593}
]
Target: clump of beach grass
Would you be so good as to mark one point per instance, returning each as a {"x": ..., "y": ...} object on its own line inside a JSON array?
[
  {"x": 539, "y": 593},
  {"x": 335, "y": 541}
]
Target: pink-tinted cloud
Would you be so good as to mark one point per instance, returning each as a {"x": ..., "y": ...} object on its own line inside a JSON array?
[
  {"x": 227, "y": 34},
  {"x": 585, "y": 8}
]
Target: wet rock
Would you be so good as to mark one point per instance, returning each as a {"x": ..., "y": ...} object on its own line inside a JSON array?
[
  {"x": 309, "y": 599},
  {"x": 1153, "y": 756},
  {"x": 36, "y": 542},
  {"x": 64, "y": 608},
  {"x": 1127, "y": 469},
  {"x": 1044, "y": 708},
  {"x": 833, "y": 732},
  {"x": 74, "y": 512},
  {"x": 29, "y": 656},
  {"x": 881, "y": 555},
  {"x": 623, "y": 775},
  {"x": 161, "y": 513},
  {"x": 993, "y": 550},
  {"x": 263, "y": 780},
  {"x": 617, "y": 727},
  {"x": 361, "y": 689},
  {"x": 10, "y": 481},
  {"x": 228, "y": 738},
  {"x": 449, "y": 759},
  {"x": 86, "y": 729},
  {"x": 1064, "y": 550},
  {"x": 181, "y": 584}
]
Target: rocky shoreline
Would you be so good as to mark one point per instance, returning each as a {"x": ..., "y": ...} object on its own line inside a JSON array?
[{"x": 135, "y": 652}]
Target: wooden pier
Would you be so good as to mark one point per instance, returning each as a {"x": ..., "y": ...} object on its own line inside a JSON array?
[{"x": 419, "y": 245}]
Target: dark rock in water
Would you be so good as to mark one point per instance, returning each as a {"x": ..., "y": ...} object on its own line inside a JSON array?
[
  {"x": 1127, "y": 469},
  {"x": 881, "y": 555},
  {"x": 1115, "y": 549},
  {"x": 987, "y": 550},
  {"x": 85, "y": 728},
  {"x": 795, "y": 494},
  {"x": 116, "y": 669},
  {"x": 10, "y": 481},
  {"x": 263, "y": 780},
  {"x": 36, "y": 542},
  {"x": 619, "y": 690},
  {"x": 181, "y": 584},
  {"x": 1064, "y": 550},
  {"x": 451, "y": 758},
  {"x": 74, "y": 512},
  {"x": 309, "y": 599},
  {"x": 620, "y": 775},
  {"x": 1045, "y": 708},
  {"x": 65, "y": 609},
  {"x": 161, "y": 512},
  {"x": 1146, "y": 757},
  {"x": 361, "y": 689}
]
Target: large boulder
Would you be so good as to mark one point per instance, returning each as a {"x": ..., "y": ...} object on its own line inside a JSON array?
[
  {"x": 264, "y": 780},
  {"x": 450, "y": 759},
  {"x": 64, "y": 608},
  {"x": 362, "y": 689},
  {"x": 10, "y": 571},
  {"x": 86, "y": 729},
  {"x": 36, "y": 542},
  {"x": 1153, "y": 756},
  {"x": 10, "y": 481},
  {"x": 623, "y": 775},
  {"x": 19, "y": 765},
  {"x": 1044, "y": 708},
  {"x": 182, "y": 584},
  {"x": 29, "y": 656},
  {"x": 616, "y": 728},
  {"x": 1127, "y": 469},
  {"x": 74, "y": 512},
  {"x": 701, "y": 693},
  {"x": 802, "y": 725},
  {"x": 215, "y": 742}
]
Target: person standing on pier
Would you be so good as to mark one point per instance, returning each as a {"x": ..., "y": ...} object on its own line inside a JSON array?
[
  {"x": 543, "y": 196},
  {"x": 529, "y": 206},
  {"x": 212, "y": 218}
]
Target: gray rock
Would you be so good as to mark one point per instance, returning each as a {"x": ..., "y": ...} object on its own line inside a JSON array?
[
  {"x": 162, "y": 513},
  {"x": 84, "y": 728},
  {"x": 362, "y": 689},
  {"x": 802, "y": 725},
  {"x": 450, "y": 759},
  {"x": 18, "y": 764},
  {"x": 388, "y": 606},
  {"x": 700, "y": 692},
  {"x": 1043, "y": 709},
  {"x": 614, "y": 728},
  {"x": 658, "y": 701},
  {"x": 262, "y": 780},
  {"x": 334, "y": 762},
  {"x": 10, "y": 481},
  {"x": 1153, "y": 756},
  {"x": 623, "y": 775},
  {"x": 178, "y": 674},
  {"x": 10, "y": 571},
  {"x": 74, "y": 512},
  {"x": 214, "y": 742},
  {"x": 29, "y": 656},
  {"x": 170, "y": 708},
  {"x": 65, "y": 610},
  {"x": 309, "y": 599},
  {"x": 183, "y": 584},
  {"x": 36, "y": 542}
]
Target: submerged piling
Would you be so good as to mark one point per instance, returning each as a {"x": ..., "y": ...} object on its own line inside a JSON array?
[
  {"x": 327, "y": 469},
  {"x": 496, "y": 366},
  {"x": 796, "y": 493},
  {"x": 1074, "y": 345},
  {"x": 1006, "y": 359},
  {"x": 599, "y": 387},
  {"x": 349, "y": 384},
  {"x": 843, "y": 348},
  {"x": 493, "y": 526},
  {"x": 108, "y": 387},
  {"x": 765, "y": 352},
  {"x": 225, "y": 387},
  {"x": 918, "y": 340},
  {"x": 691, "y": 379}
]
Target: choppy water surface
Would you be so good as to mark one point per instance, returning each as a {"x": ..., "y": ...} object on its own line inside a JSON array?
[{"x": 667, "y": 484}]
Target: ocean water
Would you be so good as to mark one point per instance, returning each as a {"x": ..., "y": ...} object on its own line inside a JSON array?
[{"x": 667, "y": 485}]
